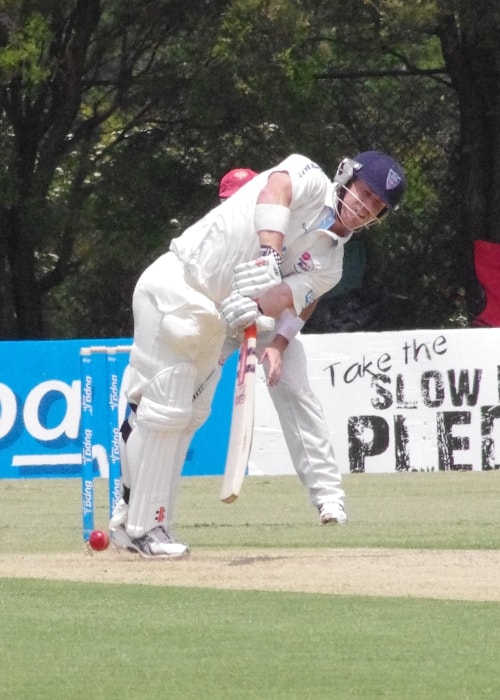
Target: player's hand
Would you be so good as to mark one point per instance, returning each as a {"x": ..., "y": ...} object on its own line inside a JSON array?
[
  {"x": 251, "y": 279},
  {"x": 239, "y": 312},
  {"x": 272, "y": 359}
]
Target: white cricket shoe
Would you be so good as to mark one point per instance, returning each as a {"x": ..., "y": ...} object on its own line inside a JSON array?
[
  {"x": 332, "y": 513},
  {"x": 155, "y": 544},
  {"x": 119, "y": 514}
]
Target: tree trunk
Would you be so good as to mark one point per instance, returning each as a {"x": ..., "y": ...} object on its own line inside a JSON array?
[
  {"x": 471, "y": 52},
  {"x": 27, "y": 304}
]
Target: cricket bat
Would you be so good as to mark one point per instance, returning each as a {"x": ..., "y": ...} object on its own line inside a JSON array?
[{"x": 240, "y": 436}]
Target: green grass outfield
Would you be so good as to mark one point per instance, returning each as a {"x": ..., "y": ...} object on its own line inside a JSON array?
[{"x": 64, "y": 640}]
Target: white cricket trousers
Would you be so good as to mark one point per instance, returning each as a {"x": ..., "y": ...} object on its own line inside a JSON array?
[
  {"x": 174, "y": 368},
  {"x": 305, "y": 429}
]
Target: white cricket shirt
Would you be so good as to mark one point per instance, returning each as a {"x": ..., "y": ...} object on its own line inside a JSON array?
[{"x": 226, "y": 236}]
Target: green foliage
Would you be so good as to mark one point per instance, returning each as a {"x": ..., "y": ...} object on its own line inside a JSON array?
[
  {"x": 132, "y": 111},
  {"x": 129, "y": 220},
  {"x": 21, "y": 59}
]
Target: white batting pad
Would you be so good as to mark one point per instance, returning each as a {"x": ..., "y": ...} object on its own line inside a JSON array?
[{"x": 153, "y": 455}]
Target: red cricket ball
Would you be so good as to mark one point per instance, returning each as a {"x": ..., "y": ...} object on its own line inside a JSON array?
[{"x": 99, "y": 540}]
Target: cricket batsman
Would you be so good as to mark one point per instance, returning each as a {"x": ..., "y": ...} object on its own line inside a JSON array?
[{"x": 269, "y": 251}]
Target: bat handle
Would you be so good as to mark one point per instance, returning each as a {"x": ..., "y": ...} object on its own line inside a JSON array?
[{"x": 251, "y": 331}]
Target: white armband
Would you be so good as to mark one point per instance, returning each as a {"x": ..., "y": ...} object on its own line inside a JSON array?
[
  {"x": 271, "y": 217},
  {"x": 288, "y": 325}
]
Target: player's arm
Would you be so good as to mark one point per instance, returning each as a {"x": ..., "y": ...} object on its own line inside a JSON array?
[
  {"x": 254, "y": 278},
  {"x": 272, "y": 211},
  {"x": 274, "y": 301},
  {"x": 287, "y": 327},
  {"x": 271, "y": 218}
]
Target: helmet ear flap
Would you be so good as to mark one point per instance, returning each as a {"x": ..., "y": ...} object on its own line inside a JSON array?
[{"x": 346, "y": 171}]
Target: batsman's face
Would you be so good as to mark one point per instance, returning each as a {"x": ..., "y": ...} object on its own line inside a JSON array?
[{"x": 360, "y": 206}]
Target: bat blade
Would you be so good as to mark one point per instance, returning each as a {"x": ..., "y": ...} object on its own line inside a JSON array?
[{"x": 240, "y": 437}]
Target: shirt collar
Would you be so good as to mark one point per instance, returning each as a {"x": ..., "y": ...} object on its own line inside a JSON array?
[{"x": 328, "y": 221}]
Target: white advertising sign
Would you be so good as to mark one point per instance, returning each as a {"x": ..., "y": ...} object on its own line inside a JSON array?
[{"x": 420, "y": 400}]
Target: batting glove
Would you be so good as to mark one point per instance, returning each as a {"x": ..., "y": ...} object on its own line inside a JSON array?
[
  {"x": 251, "y": 279},
  {"x": 239, "y": 312},
  {"x": 264, "y": 323}
]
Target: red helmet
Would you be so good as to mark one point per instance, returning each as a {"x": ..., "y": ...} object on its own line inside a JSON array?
[{"x": 233, "y": 180}]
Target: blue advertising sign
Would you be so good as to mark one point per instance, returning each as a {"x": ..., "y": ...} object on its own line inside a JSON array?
[{"x": 41, "y": 409}]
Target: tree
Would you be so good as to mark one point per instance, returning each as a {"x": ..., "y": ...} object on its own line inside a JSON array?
[
  {"x": 468, "y": 40},
  {"x": 388, "y": 80},
  {"x": 117, "y": 118},
  {"x": 76, "y": 80},
  {"x": 468, "y": 33}
]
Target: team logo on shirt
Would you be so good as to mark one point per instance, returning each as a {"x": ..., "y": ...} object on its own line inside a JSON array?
[
  {"x": 305, "y": 263},
  {"x": 309, "y": 298},
  {"x": 309, "y": 166}
]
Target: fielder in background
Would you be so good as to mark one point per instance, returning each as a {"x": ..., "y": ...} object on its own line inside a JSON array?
[
  {"x": 300, "y": 413},
  {"x": 268, "y": 252},
  {"x": 233, "y": 180}
]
